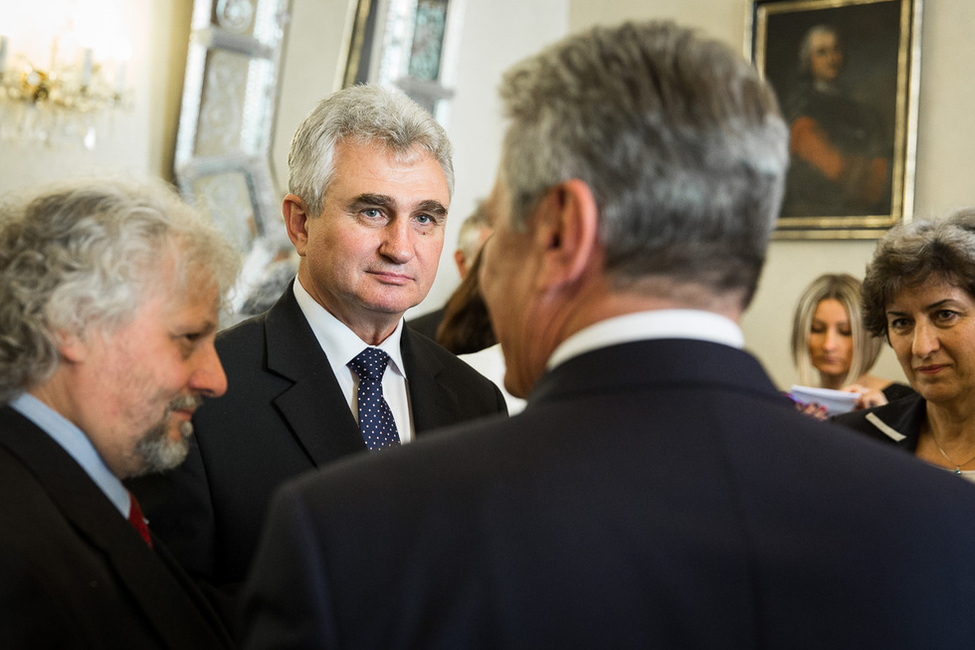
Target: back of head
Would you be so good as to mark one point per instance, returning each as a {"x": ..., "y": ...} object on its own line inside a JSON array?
[
  {"x": 79, "y": 258},
  {"x": 911, "y": 253},
  {"x": 846, "y": 290},
  {"x": 367, "y": 114},
  {"x": 679, "y": 139}
]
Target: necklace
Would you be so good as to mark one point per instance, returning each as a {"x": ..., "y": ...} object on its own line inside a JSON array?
[{"x": 951, "y": 462}]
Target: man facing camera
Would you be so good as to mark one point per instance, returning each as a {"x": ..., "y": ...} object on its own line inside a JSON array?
[
  {"x": 657, "y": 490},
  {"x": 109, "y": 301},
  {"x": 329, "y": 370}
]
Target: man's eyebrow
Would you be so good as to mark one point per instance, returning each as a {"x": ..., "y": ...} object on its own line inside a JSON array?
[
  {"x": 432, "y": 206},
  {"x": 380, "y": 200}
]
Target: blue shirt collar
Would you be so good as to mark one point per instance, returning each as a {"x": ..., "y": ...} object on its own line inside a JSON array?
[{"x": 74, "y": 441}]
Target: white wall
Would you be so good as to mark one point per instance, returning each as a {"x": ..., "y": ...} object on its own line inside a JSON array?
[
  {"x": 138, "y": 140},
  {"x": 946, "y": 134}
]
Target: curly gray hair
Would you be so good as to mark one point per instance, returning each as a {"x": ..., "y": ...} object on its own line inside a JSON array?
[{"x": 77, "y": 258}]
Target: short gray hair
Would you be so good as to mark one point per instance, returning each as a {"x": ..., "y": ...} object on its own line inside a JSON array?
[
  {"x": 76, "y": 258},
  {"x": 678, "y": 137},
  {"x": 366, "y": 114},
  {"x": 910, "y": 254},
  {"x": 845, "y": 289}
]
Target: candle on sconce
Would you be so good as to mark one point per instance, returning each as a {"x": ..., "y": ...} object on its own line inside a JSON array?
[
  {"x": 3, "y": 54},
  {"x": 86, "y": 67},
  {"x": 121, "y": 52},
  {"x": 120, "y": 79}
]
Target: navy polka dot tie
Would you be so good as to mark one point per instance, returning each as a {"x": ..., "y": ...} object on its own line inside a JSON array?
[{"x": 375, "y": 419}]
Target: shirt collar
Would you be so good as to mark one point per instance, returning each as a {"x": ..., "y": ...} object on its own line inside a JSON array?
[
  {"x": 74, "y": 441},
  {"x": 644, "y": 325},
  {"x": 339, "y": 343}
]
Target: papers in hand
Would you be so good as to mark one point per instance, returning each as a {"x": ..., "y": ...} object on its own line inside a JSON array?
[{"x": 835, "y": 401}]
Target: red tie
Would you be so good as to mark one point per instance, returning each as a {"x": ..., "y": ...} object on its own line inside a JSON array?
[{"x": 137, "y": 520}]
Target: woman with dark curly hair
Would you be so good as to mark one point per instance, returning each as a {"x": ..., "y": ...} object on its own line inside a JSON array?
[{"x": 919, "y": 293}]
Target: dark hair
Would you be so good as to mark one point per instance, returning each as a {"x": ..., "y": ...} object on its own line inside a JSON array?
[
  {"x": 912, "y": 253},
  {"x": 466, "y": 327}
]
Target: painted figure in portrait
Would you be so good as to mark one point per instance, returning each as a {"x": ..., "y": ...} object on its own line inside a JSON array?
[{"x": 840, "y": 158}]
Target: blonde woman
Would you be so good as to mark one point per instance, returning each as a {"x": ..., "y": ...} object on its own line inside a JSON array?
[{"x": 830, "y": 346}]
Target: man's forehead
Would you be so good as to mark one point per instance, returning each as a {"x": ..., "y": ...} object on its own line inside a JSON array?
[
  {"x": 363, "y": 168},
  {"x": 824, "y": 39},
  {"x": 353, "y": 150}
]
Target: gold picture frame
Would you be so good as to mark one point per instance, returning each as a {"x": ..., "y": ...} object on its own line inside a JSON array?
[{"x": 847, "y": 76}]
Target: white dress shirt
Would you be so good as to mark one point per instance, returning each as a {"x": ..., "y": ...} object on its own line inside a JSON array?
[
  {"x": 653, "y": 324},
  {"x": 341, "y": 345},
  {"x": 77, "y": 444}
]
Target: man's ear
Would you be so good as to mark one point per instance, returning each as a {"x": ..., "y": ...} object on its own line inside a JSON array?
[
  {"x": 296, "y": 220},
  {"x": 73, "y": 348},
  {"x": 567, "y": 229},
  {"x": 460, "y": 259}
]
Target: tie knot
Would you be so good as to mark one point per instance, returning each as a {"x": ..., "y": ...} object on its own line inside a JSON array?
[{"x": 370, "y": 364}]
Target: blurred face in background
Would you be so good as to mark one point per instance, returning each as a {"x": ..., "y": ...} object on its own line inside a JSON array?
[
  {"x": 825, "y": 56},
  {"x": 831, "y": 342}
]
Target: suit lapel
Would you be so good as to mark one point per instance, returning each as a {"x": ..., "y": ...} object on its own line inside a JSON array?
[
  {"x": 177, "y": 614},
  {"x": 434, "y": 403},
  {"x": 314, "y": 404}
]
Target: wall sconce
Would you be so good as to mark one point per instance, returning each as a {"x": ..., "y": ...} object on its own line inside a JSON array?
[{"x": 57, "y": 103}]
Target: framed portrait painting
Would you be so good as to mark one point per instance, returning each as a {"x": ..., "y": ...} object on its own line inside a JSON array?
[{"x": 846, "y": 75}]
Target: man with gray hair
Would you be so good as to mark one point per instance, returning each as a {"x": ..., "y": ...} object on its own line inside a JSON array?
[
  {"x": 329, "y": 370},
  {"x": 657, "y": 491},
  {"x": 110, "y": 295}
]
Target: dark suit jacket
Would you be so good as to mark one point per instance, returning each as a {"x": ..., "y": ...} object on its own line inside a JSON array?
[
  {"x": 898, "y": 422},
  {"x": 658, "y": 494},
  {"x": 427, "y": 324},
  {"x": 283, "y": 414},
  {"x": 73, "y": 572}
]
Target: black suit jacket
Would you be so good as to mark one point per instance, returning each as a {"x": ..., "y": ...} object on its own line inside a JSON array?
[
  {"x": 427, "y": 324},
  {"x": 283, "y": 414},
  {"x": 658, "y": 494},
  {"x": 73, "y": 571},
  {"x": 898, "y": 422}
]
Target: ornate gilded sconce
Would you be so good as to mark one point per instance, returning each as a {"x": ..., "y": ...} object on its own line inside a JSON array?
[{"x": 54, "y": 98}]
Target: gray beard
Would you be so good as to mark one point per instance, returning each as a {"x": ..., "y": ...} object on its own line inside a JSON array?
[{"x": 157, "y": 452}]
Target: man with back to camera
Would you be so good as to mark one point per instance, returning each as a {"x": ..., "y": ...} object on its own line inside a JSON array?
[
  {"x": 109, "y": 302},
  {"x": 657, "y": 491},
  {"x": 371, "y": 180}
]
